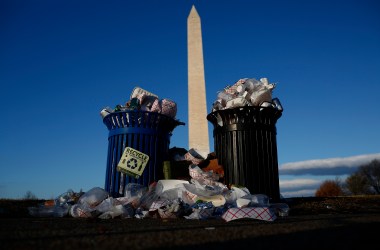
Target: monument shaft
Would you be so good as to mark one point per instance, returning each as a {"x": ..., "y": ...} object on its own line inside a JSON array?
[{"x": 198, "y": 124}]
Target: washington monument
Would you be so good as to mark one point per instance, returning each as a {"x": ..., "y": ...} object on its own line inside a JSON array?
[{"x": 198, "y": 126}]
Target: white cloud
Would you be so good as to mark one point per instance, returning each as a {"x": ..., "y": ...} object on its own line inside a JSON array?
[
  {"x": 330, "y": 166},
  {"x": 299, "y": 193},
  {"x": 299, "y": 187},
  {"x": 298, "y": 184}
]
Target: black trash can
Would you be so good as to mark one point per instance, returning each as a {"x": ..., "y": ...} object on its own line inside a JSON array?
[
  {"x": 147, "y": 132},
  {"x": 245, "y": 144}
]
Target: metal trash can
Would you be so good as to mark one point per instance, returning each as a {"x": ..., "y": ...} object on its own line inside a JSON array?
[
  {"x": 147, "y": 132},
  {"x": 245, "y": 145}
]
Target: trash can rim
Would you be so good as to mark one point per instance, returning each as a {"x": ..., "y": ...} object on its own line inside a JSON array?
[
  {"x": 256, "y": 108},
  {"x": 141, "y": 111}
]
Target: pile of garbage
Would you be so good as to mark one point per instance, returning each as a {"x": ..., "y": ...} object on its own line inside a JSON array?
[
  {"x": 200, "y": 197},
  {"x": 247, "y": 92},
  {"x": 192, "y": 190},
  {"x": 144, "y": 100}
]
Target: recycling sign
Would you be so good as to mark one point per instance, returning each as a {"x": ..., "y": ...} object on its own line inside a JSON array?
[{"x": 132, "y": 162}]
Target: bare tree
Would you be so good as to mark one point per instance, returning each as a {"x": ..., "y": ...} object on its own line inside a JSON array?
[
  {"x": 371, "y": 172},
  {"x": 357, "y": 184},
  {"x": 330, "y": 188},
  {"x": 30, "y": 196},
  {"x": 366, "y": 180}
]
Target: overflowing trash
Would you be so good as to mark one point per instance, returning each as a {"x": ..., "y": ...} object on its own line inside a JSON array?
[
  {"x": 57, "y": 207},
  {"x": 144, "y": 100},
  {"x": 193, "y": 185},
  {"x": 244, "y": 118},
  {"x": 140, "y": 130},
  {"x": 247, "y": 92},
  {"x": 200, "y": 197}
]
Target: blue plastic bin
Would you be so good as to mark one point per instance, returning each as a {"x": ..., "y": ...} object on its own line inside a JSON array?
[{"x": 147, "y": 132}]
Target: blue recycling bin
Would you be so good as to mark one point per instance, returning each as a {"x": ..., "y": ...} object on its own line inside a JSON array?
[{"x": 147, "y": 132}]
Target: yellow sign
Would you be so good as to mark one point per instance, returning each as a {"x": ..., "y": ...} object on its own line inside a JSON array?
[{"x": 132, "y": 162}]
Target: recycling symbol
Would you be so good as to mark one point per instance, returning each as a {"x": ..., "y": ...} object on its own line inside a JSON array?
[{"x": 132, "y": 163}]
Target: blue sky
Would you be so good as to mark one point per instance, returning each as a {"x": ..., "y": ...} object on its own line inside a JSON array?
[{"x": 61, "y": 62}]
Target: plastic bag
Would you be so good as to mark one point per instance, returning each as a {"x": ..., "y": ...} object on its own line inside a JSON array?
[{"x": 93, "y": 197}]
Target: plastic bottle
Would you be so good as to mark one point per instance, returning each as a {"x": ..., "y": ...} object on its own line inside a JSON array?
[
  {"x": 217, "y": 105},
  {"x": 281, "y": 209},
  {"x": 106, "y": 111},
  {"x": 277, "y": 104},
  {"x": 93, "y": 197},
  {"x": 257, "y": 200}
]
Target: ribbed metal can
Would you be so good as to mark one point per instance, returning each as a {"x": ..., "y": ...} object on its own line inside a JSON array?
[
  {"x": 146, "y": 132},
  {"x": 245, "y": 145}
]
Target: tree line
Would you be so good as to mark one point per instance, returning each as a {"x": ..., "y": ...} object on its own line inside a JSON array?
[{"x": 365, "y": 181}]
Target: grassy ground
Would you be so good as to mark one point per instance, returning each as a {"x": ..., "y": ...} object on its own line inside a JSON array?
[{"x": 335, "y": 205}]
